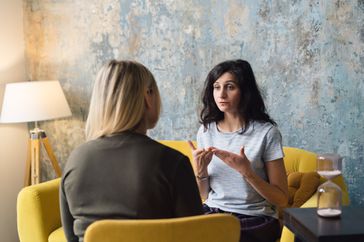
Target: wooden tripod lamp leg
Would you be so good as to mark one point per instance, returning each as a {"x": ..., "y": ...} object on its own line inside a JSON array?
[
  {"x": 35, "y": 161},
  {"x": 33, "y": 166},
  {"x": 51, "y": 155},
  {"x": 27, "y": 181}
]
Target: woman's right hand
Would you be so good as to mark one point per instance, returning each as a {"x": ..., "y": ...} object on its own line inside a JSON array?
[{"x": 201, "y": 158}]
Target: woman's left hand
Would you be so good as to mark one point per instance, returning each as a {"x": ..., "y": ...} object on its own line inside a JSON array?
[{"x": 235, "y": 161}]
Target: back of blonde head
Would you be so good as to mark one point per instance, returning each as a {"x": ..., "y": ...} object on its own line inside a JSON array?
[{"x": 117, "y": 102}]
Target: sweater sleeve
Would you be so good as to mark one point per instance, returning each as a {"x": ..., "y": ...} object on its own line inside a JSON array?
[
  {"x": 66, "y": 217},
  {"x": 187, "y": 197}
]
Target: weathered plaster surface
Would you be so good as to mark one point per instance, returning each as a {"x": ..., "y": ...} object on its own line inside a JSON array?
[{"x": 308, "y": 58}]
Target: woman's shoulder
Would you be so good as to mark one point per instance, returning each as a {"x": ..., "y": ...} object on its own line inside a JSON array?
[
  {"x": 210, "y": 127},
  {"x": 264, "y": 127},
  {"x": 83, "y": 150},
  {"x": 92, "y": 148}
]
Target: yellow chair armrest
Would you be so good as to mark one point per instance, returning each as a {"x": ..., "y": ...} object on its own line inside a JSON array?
[{"x": 38, "y": 213}]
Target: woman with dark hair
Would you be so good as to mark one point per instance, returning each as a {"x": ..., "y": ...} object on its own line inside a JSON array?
[{"x": 239, "y": 159}]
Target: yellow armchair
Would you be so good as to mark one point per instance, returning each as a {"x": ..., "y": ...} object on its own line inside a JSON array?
[
  {"x": 38, "y": 214},
  {"x": 202, "y": 228}
]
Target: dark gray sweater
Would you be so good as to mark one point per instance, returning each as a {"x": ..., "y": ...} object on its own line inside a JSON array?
[{"x": 125, "y": 176}]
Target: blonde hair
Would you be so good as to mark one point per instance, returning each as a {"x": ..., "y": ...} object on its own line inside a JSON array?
[{"x": 117, "y": 102}]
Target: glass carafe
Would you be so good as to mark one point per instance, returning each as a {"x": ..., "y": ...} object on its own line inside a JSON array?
[{"x": 329, "y": 194}]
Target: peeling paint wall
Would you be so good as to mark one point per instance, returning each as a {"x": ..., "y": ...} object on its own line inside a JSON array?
[{"x": 308, "y": 58}]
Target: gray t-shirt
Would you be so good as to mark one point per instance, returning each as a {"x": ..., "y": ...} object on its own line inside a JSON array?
[{"x": 229, "y": 191}]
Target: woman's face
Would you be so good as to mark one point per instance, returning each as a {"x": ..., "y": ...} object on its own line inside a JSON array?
[{"x": 227, "y": 93}]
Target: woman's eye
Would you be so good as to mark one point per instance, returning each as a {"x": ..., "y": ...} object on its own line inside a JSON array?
[
  {"x": 216, "y": 87},
  {"x": 230, "y": 87}
]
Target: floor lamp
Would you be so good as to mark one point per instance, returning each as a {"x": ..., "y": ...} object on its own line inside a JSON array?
[{"x": 35, "y": 101}]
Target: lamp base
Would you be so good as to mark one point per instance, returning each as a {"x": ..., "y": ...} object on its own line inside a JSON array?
[{"x": 38, "y": 138}]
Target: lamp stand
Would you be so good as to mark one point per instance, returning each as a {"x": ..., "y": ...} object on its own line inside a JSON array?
[{"x": 38, "y": 138}]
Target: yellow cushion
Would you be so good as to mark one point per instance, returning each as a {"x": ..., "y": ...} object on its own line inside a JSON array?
[
  {"x": 57, "y": 236},
  {"x": 301, "y": 186}
]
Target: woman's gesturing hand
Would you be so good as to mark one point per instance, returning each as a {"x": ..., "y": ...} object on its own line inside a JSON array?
[
  {"x": 235, "y": 161},
  {"x": 202, "y": 158}
]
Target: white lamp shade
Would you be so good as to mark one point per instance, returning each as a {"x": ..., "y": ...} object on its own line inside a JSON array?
[{"x": 33, "y": 101}]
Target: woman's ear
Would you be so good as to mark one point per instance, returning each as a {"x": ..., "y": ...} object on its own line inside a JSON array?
[{"x": 148, "y": 97}]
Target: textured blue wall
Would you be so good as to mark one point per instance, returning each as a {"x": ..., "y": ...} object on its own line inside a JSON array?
[{"x": 308, "y": 57}]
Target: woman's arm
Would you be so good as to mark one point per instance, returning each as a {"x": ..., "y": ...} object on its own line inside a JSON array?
[
  {"x": 66, "y": 217},
  {"x": 275, "y": 191},
  {"x": 203, "y": 187},
  {"x": 201, "y": 159}
]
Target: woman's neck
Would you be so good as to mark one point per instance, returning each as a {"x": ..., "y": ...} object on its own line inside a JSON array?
[
  {"x": 231, "y": 123},
  {"x": 141, "y": 128},
  {"x": 140, "y": 131}
]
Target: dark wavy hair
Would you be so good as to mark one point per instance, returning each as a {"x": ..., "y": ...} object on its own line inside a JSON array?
[{"x": 251, "y": 106}]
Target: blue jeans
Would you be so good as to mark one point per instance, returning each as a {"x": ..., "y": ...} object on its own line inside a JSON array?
[{"x": 253, "y": 228}]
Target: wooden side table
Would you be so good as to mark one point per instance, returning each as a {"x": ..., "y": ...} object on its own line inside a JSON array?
[{"x": 308, "y": 226}]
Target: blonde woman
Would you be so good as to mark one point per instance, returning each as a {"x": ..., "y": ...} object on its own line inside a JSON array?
[{"x": 120, "y": 172}]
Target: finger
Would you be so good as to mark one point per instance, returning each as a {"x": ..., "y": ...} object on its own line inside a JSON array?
[
  {"x": 203, "y": 155},
  {"x": 211, "y": 148},
  {"x": 209, "y": 156},
  {"x": 200, "y": 155},
  {"x": 220, "y": 153},
  {"x": 242, "y": 151},
  {"x": 192, "y": 146}
]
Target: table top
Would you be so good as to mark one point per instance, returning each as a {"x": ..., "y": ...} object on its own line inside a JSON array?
[{"x": 308, "y": 226}]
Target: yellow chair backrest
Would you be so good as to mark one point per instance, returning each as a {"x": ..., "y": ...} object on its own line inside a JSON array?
[
  {"x": 296, "y": 159},
  {"x": 180, "y": 145},
  {"x": 202, "y": 228}
]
